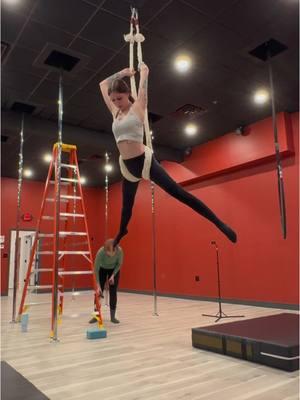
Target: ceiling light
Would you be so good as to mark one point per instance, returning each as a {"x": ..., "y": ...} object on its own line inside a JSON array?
[
  {"x": 48, "y": 157},
  {"x": 182, "y": 63},
  {"x": 83, "y": 180},
  {"x": 191, "y": 129},
  {"x": 108, "y": 168},
  {"x": 261, "y": 96},
  {"x": 27, "y": 173}
]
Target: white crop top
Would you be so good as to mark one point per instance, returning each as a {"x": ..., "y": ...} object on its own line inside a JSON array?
[{"x": 130, "y": 127}]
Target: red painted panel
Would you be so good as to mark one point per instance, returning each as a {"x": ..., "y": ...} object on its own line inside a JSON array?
[
  {"x": 260, "y": 267},
  {"x": 231, "y": 151}
]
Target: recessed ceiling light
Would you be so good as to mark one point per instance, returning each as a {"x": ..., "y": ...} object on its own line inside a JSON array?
[
  {"x": 108, "y": 168},
  {"x": 27, "y": 172},
  {"x": 261, "y": 96},
  {"x": 191, "y": 129},
  {"x": 47, "y": 157},
  {"x": 183, "y": 63}
]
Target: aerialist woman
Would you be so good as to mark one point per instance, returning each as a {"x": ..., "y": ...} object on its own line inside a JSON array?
[{"x": 137, "y": 159}]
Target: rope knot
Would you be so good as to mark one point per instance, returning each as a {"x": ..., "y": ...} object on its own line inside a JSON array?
[
  {"x": 139, "y": 38},
  {"x": 129, "y": 37}
]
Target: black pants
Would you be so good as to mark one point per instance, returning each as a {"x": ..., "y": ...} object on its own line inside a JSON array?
[
  {"x": 159, "y": 176},
  {"x": 105, "y": 274}
]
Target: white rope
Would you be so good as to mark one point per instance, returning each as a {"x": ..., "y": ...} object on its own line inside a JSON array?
[
  {"x": 146, "y": 168},
  {"x": 131, "y": 38},
  {"x": 139, "y": 38}
]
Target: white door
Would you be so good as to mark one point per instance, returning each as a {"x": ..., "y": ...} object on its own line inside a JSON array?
[{"x": 26, "y": 241}]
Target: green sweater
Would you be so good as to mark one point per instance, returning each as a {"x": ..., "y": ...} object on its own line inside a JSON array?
[{"x": 102, "y": 260}]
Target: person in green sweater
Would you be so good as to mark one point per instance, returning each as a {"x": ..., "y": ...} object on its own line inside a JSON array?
[{"x": 107, "y": 265}]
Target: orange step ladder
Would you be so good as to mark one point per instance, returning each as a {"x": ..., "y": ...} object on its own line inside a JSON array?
[{"x": 54, "y": 243}]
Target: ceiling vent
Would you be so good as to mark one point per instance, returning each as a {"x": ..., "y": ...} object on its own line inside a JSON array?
[
  {"x": 60, "y": 58},
  {"x": 23, "y": 107},
  {"x": 268, "y": 49},
  {"x": 189, "y": 111}
]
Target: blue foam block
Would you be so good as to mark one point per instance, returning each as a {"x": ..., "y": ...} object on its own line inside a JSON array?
[
  {"x": 24, "y": 322},
  {"x": 96, "y": 333}
]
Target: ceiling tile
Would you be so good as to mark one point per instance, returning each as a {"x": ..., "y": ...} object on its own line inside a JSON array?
[
  {"x": 213, "y": 8},
  {"x": 98, "y": 54},
  {"x": 11, "y": 25},
  {"x": 23, "y": 81},
  {"x": 170, "y": 24},
  {"x": 36, "y": 35},
  {"x": 59, "y": 13},
  {"x": 21, "y": 59},
  {"x": 106, "y": 30}
]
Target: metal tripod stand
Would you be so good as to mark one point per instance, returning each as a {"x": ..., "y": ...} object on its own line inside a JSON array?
[{"x": 220, "y": 314}]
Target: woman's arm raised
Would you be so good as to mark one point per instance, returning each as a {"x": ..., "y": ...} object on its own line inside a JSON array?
[
  {"x": 142, "y": 98},
  {"x": 105, "y": 84}
]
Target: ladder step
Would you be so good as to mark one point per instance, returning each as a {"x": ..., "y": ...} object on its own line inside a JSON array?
[
  {"x": 72, "y": 215},
  {"x": 65, "y": 233},
  {"x": 62, "y": 199},
  {"x": 78, "y": 293},
  {"x": 62, "y": 183},
  {"x": 49, "y": 218},
  {"x": 35, "y": 271},
  {"x": 74, "y": 252},
  {"x": 45, "y": 235},
  {"x": 37, "y": 304},
  {"x": 68, "y": 165},
  {"x": 42, "y": 286},
  {"x": 63, "y": 252},
  {"x": 76, "y": 273},
  {"x": 70, "y": 197},
  {"x": 69, "y": 180}
]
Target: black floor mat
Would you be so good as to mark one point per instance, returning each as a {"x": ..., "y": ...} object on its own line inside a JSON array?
[{"x": 15, "y": 387}]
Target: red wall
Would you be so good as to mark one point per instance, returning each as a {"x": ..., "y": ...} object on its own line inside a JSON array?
[
  {"x": 262, "y": 266},
  {"x": 236, "y": 177}
]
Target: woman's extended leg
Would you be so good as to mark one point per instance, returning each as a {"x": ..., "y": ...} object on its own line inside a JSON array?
[
  {"x": 161, "y": 178},
  {"x": 128, "y": 192}
]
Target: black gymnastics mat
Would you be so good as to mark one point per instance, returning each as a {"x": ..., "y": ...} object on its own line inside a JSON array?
[
  {"x": 15, "y": 387},
  {"x": 272, "y": 340}
]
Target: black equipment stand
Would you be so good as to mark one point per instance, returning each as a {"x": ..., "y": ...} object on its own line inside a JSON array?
[{"x": 220, "y": 314}]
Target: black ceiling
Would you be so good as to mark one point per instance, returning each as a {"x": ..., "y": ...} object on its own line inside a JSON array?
[{"x": 218, "y": 34}]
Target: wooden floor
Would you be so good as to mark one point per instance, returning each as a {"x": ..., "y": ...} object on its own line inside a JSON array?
[{"x": 145, "y": 357}]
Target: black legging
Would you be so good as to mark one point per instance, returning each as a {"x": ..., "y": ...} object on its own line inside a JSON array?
[
  {"x": 105, "y": 274},
  {"x": 159, "y": 176}
]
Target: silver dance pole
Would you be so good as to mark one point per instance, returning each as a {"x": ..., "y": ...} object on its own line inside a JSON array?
[
  {"x": 265, "y": 52},
  {"x": 281, "y": 195},
  {"x": 106, "y": 286},
  {"x": 106, "y": 196},
  {"x": 17, "y": 263},
  {"x": 57, "y": 214},
  {"x": 154, "y": 249}
]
